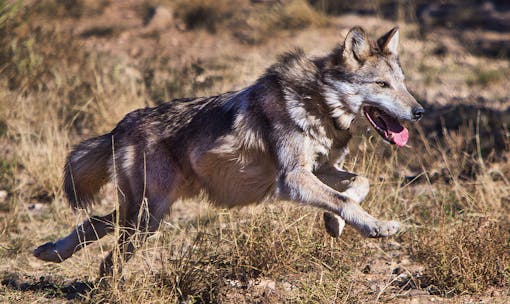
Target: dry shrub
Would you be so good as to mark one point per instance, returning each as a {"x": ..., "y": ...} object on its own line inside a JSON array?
[
  {"x": 25, "y": 67},
  {"x": 282, "y": 244},
  {"x": 464, "y": 257},
  {"x": 40, "y": 149},
  {"x": 250, "y": 24},
  {"x": 229, "y": 255},
  {"x": 51, "y": 89},
  {"x": 485, "y": 77},
  {"x": 453, "y": 199},
  {"x": 261, "y": 23},
  {"x": 298, "y": 14},
  {"x": 205, "y": 14},
  {"x": 335, "y": 7},
  {"x": 69, "y": 8}
]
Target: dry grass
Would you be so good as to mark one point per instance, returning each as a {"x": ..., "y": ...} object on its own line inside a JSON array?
[
  {"x": 249, "y": 23},
  {"x": 450, "y": 189},
  {"x": 472, "y": 261},
  {"x": 485, "y": 77},
  {"x": 240, "y": 252},
  {"x": 205, "y": 14},
  {"x": 298, "y": 14}
]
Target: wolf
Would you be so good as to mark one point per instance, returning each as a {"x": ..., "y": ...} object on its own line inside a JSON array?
[{"x": 281, "y": 138}]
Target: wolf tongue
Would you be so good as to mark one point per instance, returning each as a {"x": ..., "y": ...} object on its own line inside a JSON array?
[
  {"x": 400, "y": 138},
  {"x": 395, "y": 131}
]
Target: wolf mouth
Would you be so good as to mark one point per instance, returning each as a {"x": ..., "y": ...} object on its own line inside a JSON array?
[{"x": 387, "y": 126}]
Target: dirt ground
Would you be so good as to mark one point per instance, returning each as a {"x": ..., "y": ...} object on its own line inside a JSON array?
[{"x": 450, "y": 188}]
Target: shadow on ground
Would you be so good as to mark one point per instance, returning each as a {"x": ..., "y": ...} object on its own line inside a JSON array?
[
  {"x": 491, "y": 126},
  {"x": 50, "y": 286}
]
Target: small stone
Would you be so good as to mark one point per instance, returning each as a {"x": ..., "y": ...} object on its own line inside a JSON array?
[
  {"x": 267, "y": 284},
  {"x": 3, "y": 196},
  {"x": 36, "y": 206},
  {"x": 417, "y": 293},
  {"x": 235, "y": 283},
  {"x": 287, "y": 286},
  {"x": 161, "y": 19},
  {"x": 135, "y": 51},
  {"x": 374, "y": 288}
]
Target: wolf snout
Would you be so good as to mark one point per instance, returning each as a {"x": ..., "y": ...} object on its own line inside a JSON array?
[{"x": 417, "y": 113}]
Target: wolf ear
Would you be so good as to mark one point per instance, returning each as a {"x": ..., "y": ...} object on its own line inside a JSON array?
[
  {"x": 356, "y": 47},
  {"x": 388, "y": 43}
]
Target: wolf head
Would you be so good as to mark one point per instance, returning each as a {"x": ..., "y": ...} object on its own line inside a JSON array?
[{"x": 361, "y": 75}]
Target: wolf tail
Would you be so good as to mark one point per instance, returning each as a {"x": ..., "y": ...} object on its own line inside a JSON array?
[{"x": 87, "y": 170}]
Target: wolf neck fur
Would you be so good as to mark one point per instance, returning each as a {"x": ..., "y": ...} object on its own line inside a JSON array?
[{"x": 313, "y": 98}]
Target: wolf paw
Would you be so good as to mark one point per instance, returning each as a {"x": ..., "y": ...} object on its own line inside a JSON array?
[
  {"x": 382, "y": 229},
  {"x": 334, "y": 224},
  {"x": 48, "y": 252}
]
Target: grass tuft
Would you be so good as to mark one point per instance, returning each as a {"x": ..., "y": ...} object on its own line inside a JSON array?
[
  {"x": 464, "y": 257},
  {"x": 485, "y": 77},
  {"x": 204, "y": 14},
  {"x": 298, "y": 14}
]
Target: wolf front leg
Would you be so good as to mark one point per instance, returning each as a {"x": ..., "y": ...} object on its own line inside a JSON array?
[
  {"x": 303, "y": 186},
  {"x": 350, "y": 185}
]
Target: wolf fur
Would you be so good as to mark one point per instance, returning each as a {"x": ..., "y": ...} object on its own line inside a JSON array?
[{"x": 278, "y": 139}]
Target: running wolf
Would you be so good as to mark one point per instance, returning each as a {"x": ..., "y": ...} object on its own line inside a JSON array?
[{"x": 281, "y": 138}]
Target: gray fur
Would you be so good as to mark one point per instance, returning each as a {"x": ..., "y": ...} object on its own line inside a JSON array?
[{"x": 280, "y": 138}]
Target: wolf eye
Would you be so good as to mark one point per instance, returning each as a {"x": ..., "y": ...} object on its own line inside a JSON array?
[{"x": 382, "y": 84}]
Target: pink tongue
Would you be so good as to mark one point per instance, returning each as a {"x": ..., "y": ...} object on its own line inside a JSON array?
[
  {"x": 400, "y": 138},
  {"x": 396, "y": 131}
]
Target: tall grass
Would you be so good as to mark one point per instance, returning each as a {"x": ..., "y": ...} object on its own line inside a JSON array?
[{"x": 451, "y": 197}]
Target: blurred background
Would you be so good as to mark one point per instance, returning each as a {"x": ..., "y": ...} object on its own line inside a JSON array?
[{"x": 72, "y": 69}]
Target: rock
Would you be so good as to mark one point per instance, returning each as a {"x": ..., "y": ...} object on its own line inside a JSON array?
[
  {"x": 287, "y": 286},
  {"x": 36, "y": 207},
  {"x": 417, "y": 293},
  {"x": 263, "y": 285},
  {"x": 267, "y": 284},
  {"x": 3, "y": 196},
  {"x": 374, "y": 288},
  {"x": 135, "y": 51},
  {"x": 161, "y": 19},
  {"x": 235, "y": 283}
]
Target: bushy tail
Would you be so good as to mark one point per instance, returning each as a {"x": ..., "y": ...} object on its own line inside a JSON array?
[{"x": 86, "y": 170}]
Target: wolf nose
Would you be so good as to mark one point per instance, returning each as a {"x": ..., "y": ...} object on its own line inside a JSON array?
[{"x": 418, "y": 113}]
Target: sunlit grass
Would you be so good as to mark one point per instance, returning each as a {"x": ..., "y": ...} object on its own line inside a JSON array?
[{"x": 450, "y": 193}]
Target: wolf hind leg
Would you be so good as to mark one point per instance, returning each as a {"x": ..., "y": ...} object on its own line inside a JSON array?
[
  {"x": 146, "y": 202},
  {"x": 89, "y": 231},
  {"x": 139, "y": 226},
  {"x": 334, "y": 224}
]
